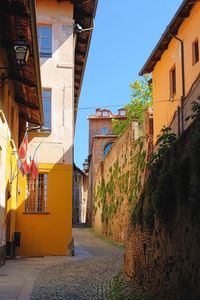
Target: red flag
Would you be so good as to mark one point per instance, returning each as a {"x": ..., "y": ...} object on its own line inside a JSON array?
[
  {"x": 34, "y": 167},
  {"x": 24, "y": 163}
]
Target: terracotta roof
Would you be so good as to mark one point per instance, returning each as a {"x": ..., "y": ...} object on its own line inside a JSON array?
[
  {"x": 17, "y": 18},
  {"x": 173, "y": 27},
  {"x": 106, "y": 117},
  {"x": 109, "y": 116}
]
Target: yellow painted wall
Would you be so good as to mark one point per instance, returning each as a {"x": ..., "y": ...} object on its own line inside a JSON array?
[
  {"x": 47, "y": 234},
  {"x": 164, "y": 108},
  {"x": 9, "y": 143},
  {"x": 11, "y": 185}
]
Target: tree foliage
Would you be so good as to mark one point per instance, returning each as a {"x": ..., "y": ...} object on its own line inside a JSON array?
[{"x": 141, "y": 98}]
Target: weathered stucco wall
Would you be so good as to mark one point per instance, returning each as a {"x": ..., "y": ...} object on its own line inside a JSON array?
[{"x": 117, "y": 184}]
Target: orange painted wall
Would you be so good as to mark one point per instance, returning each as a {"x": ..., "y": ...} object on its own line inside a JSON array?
[{"x": 164, "y": 108}]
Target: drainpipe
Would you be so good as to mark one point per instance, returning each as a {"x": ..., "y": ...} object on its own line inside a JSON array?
[{"x": 183, "y": 78}]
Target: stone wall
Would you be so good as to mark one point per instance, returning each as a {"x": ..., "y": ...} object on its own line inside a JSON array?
[{"x": 163, "y": 257}]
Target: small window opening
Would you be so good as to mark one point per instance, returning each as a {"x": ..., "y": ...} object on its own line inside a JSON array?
[
  {"x": 172, "y": 82},
  {"x": 195, "y": 52}
]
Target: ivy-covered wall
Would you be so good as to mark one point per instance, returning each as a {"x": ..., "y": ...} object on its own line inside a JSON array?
[
  {"x": 162, "y": 250},
  {"x": 118, "y": 183}
]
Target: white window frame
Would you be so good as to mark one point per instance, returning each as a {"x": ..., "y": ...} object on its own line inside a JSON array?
[{"x": 44, "y": 52}]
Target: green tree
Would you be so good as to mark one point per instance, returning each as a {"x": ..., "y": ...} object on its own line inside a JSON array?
[{"x": 141, "y": 98}]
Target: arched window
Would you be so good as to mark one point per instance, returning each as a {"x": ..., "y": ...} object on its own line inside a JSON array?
[{"x": 106, "y": 149}]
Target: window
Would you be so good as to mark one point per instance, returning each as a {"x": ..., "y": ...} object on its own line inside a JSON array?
[
  {"x": 172, "y": 82},
  {"x": 46, "y": 97},
  {"x": 107, "y": 149},
  {"x": 45, "y": 41},
  {"x": 195, "y": 51},
  {"x": 36, "y": 201},
  {"x": 105, "y": 113},
  {"x": 104, "y": 130},
  {"x": 122, "y": 112}
]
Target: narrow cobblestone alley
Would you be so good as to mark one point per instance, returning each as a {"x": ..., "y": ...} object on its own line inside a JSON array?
[{"x": 85, "y": 277}]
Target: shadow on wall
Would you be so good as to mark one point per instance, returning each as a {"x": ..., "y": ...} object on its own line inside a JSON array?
[{"x": 57, "y": 39}]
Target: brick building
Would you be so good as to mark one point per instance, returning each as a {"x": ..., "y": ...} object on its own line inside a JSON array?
[{"x": 101, "y": 138}]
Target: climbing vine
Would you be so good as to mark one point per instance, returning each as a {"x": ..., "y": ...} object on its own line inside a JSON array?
[
  {"x": 124, "y": 181},
  {"x": 174, "y": 178}
]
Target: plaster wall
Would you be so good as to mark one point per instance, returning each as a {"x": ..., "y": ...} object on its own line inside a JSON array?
[
  {"x": 57, "y": 74},
  {"x": 163, "y": 107},
  {"x": 9, "y": 128},
  {"x": 47, "y": 233}
]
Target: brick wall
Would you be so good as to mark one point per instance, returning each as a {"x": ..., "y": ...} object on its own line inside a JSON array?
[
  {"x": 165, "y": 260},
  {"x": 95, "y": 126},
  {"x": 114, "y": 187}
]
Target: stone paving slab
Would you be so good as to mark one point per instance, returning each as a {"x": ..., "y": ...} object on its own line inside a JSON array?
[{"x": 82, "y": 277}]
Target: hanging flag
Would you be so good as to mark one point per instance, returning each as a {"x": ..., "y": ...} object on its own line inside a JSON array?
[
  {"x": 34, "y": 167},
  {"x": 24, "y": 160}
]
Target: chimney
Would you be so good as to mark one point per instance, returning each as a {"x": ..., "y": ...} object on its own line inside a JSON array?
[{"x": 98, "y": 111}]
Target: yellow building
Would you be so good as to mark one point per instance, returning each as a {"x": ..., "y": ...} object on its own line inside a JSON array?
[
  {"x": 20, "y": 101},
  {"x": 44, "y": 211},
  {"x": 175, "y": 68}
]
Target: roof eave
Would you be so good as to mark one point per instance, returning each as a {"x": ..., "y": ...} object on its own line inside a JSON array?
[{"x": 171, "y": 28}]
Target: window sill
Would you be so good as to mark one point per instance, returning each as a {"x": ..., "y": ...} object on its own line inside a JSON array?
[
  {"x": 41, "y": 132},
  {"x": 36, "y": 213}
]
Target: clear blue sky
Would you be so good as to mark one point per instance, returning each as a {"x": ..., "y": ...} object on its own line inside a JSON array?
[{"x": 125, "y": 34}]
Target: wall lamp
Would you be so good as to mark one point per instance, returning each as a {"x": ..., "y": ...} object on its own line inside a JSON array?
[
  {"x": 21, "y": 48},
  {"x": 79, "y": 28},
  {"x": 86, "y": 166}
]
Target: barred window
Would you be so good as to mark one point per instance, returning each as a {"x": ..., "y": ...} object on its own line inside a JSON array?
[
  {"x": 45, "y": 41},
  {"x": 36, "y": 201}
]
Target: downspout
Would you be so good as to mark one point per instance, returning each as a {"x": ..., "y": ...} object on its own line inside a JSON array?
[
  {"x": 183, "y": 79},
  {"x": 36, "y": 56}
]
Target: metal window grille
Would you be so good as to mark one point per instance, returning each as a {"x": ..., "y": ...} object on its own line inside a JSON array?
[
  {"x": 36, "y": 201},
  {"x": 45, "y": 41}
]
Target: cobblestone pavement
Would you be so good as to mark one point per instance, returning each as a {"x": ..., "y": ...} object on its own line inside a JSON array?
[{"x": 87, "y": 277}]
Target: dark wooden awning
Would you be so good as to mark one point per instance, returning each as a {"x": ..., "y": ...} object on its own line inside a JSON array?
[
  {"x": 173, "y": 27},
  {"x": 84, "y": 13},
  {"x": 17, "y": 18}
]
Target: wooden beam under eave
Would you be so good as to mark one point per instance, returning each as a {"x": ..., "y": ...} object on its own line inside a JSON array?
[
  {"x": 14, "y": 12},
  {"x": 83, "y": 13},
  {"x": 28, "y": 119},
  {"x": 22, "y": 102},
  {"x": 22, "y": 80}
]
